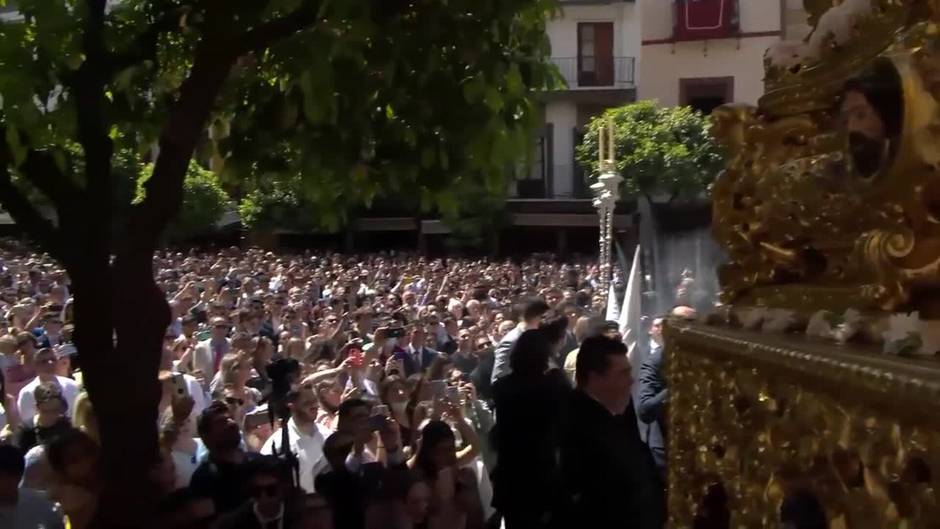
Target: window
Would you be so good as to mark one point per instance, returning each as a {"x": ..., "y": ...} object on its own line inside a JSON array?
[
  {"x": 596, "y": 54},
  {"x": 532, "y": 180},
  {"x": 706, "y": 93}
]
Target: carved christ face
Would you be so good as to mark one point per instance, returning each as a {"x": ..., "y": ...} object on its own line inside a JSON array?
[{"x": 866, "y": 133}]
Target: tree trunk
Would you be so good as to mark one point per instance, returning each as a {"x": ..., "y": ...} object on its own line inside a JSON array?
[{"x": 121, "y": 300}]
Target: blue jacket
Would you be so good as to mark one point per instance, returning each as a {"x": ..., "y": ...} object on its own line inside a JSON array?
[{"x": 652, "y": 405}]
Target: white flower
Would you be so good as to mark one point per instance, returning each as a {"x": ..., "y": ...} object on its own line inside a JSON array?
[
  {"x": 908, "y": 335},
  {"x": 788, "y": 53},
  {"x": 930, "y": 334},
  {"x": 778, "y": 320},
  {"x": 844, "y": 332},
  {"x": 819, "y": 325},
  {"x": 901, "y": 326},
  {"x": 849, "y": 326},
  {"x": 837, "y": 24},
  {"x": 751, "y": 318},
  {"x": 852, "y": 316}
]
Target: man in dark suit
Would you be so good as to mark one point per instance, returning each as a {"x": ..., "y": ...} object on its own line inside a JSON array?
[
  {"x": 222, "y": 476},
  {"x": 609, "y": 473},
  {"x": 418, "y": 356},
  {"x": 354, "y": 480},
  {"x": 269, "y": 490},
  {"x": 653, "y": 396}
]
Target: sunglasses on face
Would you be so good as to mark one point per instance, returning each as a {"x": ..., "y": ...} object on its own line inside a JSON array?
[{"x": 259, "y": 491}]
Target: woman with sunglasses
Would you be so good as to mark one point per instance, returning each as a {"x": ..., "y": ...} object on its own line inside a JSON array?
[{"x": 235, "y": 370}]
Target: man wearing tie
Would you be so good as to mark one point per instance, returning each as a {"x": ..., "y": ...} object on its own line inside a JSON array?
[
  {"x": 653, "y": 397},
  {"x": 418, "y": 355}
]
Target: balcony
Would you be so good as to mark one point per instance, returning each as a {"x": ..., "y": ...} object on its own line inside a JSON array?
[
  {"x": 615, "y": 72},
  {"x": 540, "y": 182}
]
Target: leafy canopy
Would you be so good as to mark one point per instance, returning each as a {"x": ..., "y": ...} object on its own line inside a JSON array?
[
  {"x": 343, "y": 100},
  {"x": 658, "y": 149},
  {"x": 204, "y": 202}
]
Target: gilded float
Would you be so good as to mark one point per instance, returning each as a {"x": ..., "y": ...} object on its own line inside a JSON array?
[{"x": 765, "y": 427}]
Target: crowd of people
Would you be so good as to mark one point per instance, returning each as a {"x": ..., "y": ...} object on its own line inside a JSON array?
[{"x": 352, "y": 392}]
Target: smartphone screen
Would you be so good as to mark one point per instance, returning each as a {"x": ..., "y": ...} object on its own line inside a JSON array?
[
  {"x": 179, "y": 385},
  {"x": 438, "y": 388},
  {"x": 377, "y": 422},
  {"x": 356, "y": 357}
]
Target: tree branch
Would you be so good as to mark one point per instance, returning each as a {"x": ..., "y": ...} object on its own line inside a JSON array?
[
  {"x": 25, "y": 214},
  {"x": 265, "y": 34},
  {"x": 184, "y": 125},
  {"x": 144, "y": 47},
  {"x": 41, "y": 170},
  {"x": 89, "y": 88}
]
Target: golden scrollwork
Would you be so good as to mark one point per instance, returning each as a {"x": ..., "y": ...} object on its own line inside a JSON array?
[
  {"x": 803, "y": 228},
  {"x": 758, "y": 422}
]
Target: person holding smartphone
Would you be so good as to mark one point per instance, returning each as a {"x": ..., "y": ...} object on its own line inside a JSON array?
[{"x": 305, "y": 436}]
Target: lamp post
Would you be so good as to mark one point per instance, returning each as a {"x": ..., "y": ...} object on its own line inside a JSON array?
[{"x": 606, "y": 193}]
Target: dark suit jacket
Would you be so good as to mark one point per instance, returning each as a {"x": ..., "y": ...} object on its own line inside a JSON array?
[
  {"x": 224, "y": 483},
  {"x": 482, "y": 376},
  {"x": 530, "y": 418},
  {"x": 244, "y": 518},
  {"x": 610, "y": 478},
  {"x": 652, "y": 408},
  {"x": 449, "y": 346},
  {"x": 349, "y": 494},
  {"x": 411, "y": 367}
]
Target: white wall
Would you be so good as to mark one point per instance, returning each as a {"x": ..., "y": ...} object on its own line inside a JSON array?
[
  {"x": 664, "y": 63},
  {"x": 563, "y": 116},
  {"x": 794, "y": 23},
  {"x": 563, "y": 34},
  {"x": 628, "y": 36}
]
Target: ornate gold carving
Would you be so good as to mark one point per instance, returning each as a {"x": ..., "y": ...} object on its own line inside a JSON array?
[
  {"x": 801, "y": 227},
  {"x": 756, "y": 419}
]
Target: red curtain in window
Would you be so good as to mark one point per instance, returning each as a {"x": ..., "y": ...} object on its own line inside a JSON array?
[{"x": 706, "y": 19}]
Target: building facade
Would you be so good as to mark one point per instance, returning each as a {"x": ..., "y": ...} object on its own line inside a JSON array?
[
  {"x": 595, "y": 46},
  {"x": 705, "y": 53}
]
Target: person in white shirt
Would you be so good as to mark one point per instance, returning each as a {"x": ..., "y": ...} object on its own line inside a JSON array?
[
  {"x": 304, "y": 435},
  {"x": 22, "y": 508},
  {"x": 45, "y": 361},
  {"x": 208, "y": 354},
  {"x": 188, "y": 383}
]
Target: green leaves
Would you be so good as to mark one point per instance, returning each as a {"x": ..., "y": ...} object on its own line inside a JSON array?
[
  {"x": 658, "y": 149},
  {"x": 515, "y": 86},
  {"x": 437, "y": 101},
  {"x": 204, "y": 204},
  {"x": 317, "y": 96},
  {"x": 17, "y": 148},
  {"x": 373, "y": 102}
]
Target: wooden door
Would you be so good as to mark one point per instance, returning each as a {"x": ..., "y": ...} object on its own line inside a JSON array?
[
  {"x": 596, "y": 54},
  {"x": 604, "y": 50}
]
